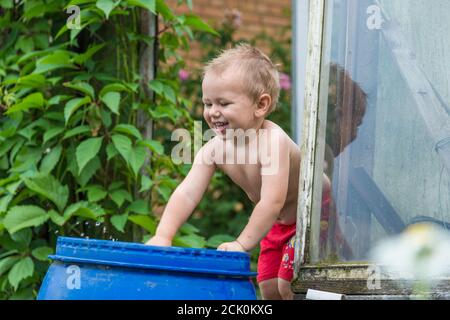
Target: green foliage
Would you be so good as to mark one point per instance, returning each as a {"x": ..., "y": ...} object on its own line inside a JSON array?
[{"x": 74, "y": 159}]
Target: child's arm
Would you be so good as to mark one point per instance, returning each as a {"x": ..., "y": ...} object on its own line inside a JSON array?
[
  {"x": 185, "y": 198},
  {"x": 274, "y": 189}
]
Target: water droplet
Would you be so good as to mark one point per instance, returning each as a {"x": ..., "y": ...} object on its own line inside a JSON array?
[
  {"x": 86, "y": 223},
  {"x": 97, "y": 224},
  {"x": 57, "y": 231},
  {"x": 82, "y": 235}
]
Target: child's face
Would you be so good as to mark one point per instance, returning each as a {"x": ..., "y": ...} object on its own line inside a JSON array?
[{"x": 226, "y": 105}]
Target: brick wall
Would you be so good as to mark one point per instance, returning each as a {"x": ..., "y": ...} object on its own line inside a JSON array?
[{"x": 270, "y": 16}]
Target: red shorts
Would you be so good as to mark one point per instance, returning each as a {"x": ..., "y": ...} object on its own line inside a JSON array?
[{"x": 276, "y": 258}]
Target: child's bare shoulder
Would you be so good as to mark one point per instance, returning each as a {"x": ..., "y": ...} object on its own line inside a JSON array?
[{"x": 276, "y": 133}]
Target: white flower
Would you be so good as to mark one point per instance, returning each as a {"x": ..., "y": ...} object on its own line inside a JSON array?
[{"x": 421, "y": 252}]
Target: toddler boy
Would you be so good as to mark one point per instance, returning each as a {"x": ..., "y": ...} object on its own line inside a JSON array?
[{"x": 240, "y": 89}]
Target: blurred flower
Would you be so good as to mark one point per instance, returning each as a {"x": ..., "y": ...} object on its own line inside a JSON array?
[
  {"x": 238, "y": 207},
  {"x": 421, "y": 252},
  {"x": 183, "y": 75},
  {"x": 285, "y": 81},
  {"x": 233, "y": 18}
]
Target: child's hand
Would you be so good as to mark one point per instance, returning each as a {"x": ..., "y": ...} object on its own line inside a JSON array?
[
  {"x": 231, "y": 246},
  {"x": 159, "y": 241}
]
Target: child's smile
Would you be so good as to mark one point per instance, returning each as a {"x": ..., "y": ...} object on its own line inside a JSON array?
[{"x": 226, "y": 106}]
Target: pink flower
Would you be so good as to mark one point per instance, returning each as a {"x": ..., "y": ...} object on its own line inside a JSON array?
[
  {"x": 183, "y": 75},
  {"x": 234, "y": 18},
  {"x": 285, "y": 81}
]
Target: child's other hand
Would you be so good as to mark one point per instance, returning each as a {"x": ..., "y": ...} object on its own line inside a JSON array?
[
  {"x": 159, "y": 241},
  {"x": 231, "y": 246}
]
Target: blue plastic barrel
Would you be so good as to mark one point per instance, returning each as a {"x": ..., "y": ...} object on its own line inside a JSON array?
[{"x": 87, "y": 269}]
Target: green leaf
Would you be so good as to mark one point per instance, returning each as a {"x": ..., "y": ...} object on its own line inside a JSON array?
[
  {"x": 57, "y": 218},
  {"x": 26, "y": 293},
  {"x": 23, "y": 236},
  {"x": 111, "y": 151},
  {"x": 191, "y": 241},
  {"x": 188, "y": 228},
  {"x": 20, "y": 271},
  {"x": 170, "y": 95},
  {"x": 8, "y": 253},
  {"x": 7, "y": 263},
  {"x": 53, "y": 61},
  {"x": 7, "y": 4},
  {"x": 145, "y": 222},
  {"x": 139, "y": 206},
  {"x": 106, "y": 6},
  {"x": 112, "y": 101},
  {"x": 73, "y": 105},
  {"x": 165, "y": 111},
  {"x": 197, "y": 23},
  {"x": 113, "y": 87},
  {"x": 6, "y": 146},
  {"x": 4, "y": 202},
  {"x": 123, "y": 145},
  {"x": 164, "y": 191},
  {"x": 51, "y": 133},
  {"x": 42, "y": 253},
  {"x": 76, "y": 131},
  {"x": 25, "y": 44},
  {"x": 153, "y": 145},
  {"x": 57, "y": 100},
  {"x": 146, "y": 4},
  {"x": 163, "y": 9},
  {"x": 51, "y": 160},
  {"x": 32, "y": 101},
  {"x": 87, "y": 150},
  {"x": 85, "y": 210},
  {"x": 82, "y": 58},
  {"x": 119, "y": 221},
  {"x": 128, "y": 129},
  {"x": 12, "y": 188},
  {"x": 96, "y": 193},
  {"x": 20, "y": 217},
  {"x": 146, "y": 184},
  {"x": 119, "y": 197},
  {"x": 31, "y": 81},
  {"x": 218, "y": 239},
  {"x": 89, "y": 170},
  {"x": 137, "y": 159},
  {"x": 156, "y": 86},
  {"x": 84, "y": 87},
  {"x": 50, "y": 188}
]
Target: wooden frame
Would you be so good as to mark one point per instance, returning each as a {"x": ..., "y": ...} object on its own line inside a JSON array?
[{"x": 346, "y": 278}]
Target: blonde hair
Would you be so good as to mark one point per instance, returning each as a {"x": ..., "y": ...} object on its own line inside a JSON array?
[{"x": 260, "y": 75}]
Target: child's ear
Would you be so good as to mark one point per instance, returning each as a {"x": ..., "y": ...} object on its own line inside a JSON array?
[{"x": 263, "y": 105}]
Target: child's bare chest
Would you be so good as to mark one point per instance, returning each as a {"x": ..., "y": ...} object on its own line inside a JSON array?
[{"x": 246, "y": 176}]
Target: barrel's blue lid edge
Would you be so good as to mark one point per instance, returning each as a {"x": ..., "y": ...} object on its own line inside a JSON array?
[
  {"x": 151, "y": 267},
  {"x": 145, "y": 247},
  {"x": 137, "y": 255}
]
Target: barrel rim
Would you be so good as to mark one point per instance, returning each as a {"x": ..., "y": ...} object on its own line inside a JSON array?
[{"x": 126, "y": 253}]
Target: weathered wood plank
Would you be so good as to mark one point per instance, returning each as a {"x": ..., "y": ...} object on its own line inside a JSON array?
[
  {"x": 356, "y": 279},
  {"x": 309, "y": 129}
]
